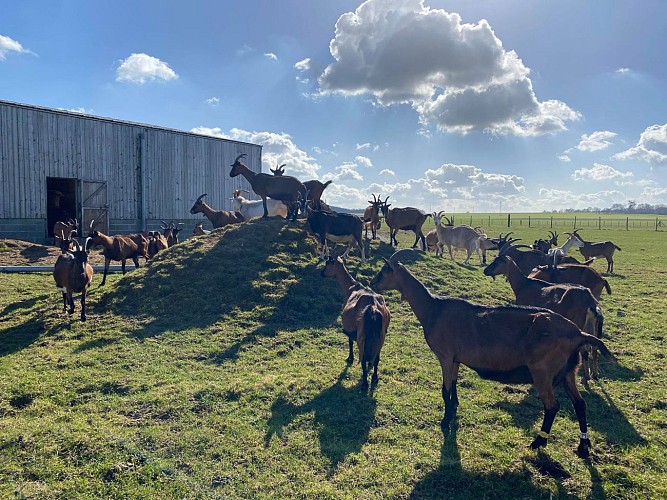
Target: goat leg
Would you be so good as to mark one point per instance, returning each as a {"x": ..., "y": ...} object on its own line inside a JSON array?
[
  {"x": 583, "y": 450},
  {"x": 414, "y": 245},
  {"x": 364, "y": 375},
  {"x": 351, "y": 337},
  {"x": 136, "y": 263},
  {"x": 83, "y": 306},
  {"x": 70, "y": 301},
  {"x": 551, "y": 406},
  {"x": 374, "y": 378},
  {"x": 107, "y": 261},
  {"x": 64, "y": 302}
]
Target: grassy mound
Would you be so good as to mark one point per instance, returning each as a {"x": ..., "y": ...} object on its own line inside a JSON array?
[{"x": 219, "y": 370}]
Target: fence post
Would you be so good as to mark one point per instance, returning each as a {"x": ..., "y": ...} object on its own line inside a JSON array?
[
  {"x": 489, "y": 221},
  {"x": 552, "y": 222},
  {"x": 508, "y": 220},
  {"x": 627, "y": 223},
  {"x": 471, "y": 220},
  {"x": 599, "y": 222},
  {"x": 575, "y": 222},
  {"x": 656, "y": 223},
  {"x": 529, "y": 221}
]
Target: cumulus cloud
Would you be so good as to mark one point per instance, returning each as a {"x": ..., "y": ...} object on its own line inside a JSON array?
[
  {"x": 623, "y": 71},
  {"x": 654, "y": 195},
  {"x": 565, "y": 158},
  {"x": 277, "y": 148},
  {"x": 363, "y": 161},
  {"x": 271, "y": 56},
  {"x": 651, "y": 148},
  {"x": 457, "y": 76},
  {"x": 596, "y": 141},
  {"x": 80, "y": 110},
  {"x": 387, "y": 171},
  {"x": 600, "y": 172},
  {"x": 8, "y": 45},
  {"x": 142, "y": 68},
  {"x": 557, "y": 199},
  {"x": 302, "y": 65},
  {"x": 213, "y": 101}
]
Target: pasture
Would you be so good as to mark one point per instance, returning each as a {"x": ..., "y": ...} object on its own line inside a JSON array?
[{"x": 218, "y": 370}]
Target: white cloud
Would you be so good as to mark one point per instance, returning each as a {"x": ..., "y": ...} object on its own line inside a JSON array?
[
  {"x": 364, "y": 145},
  {"x": 565, "y": 158},
  {"x": 387, "y": 171},
  {"x": 80, "y": 110},
  {"x": 271, "y": 56},
  {"x": 599, "y": 172},
  {"x": 363, "y": 161},
  {"x": 651, "y": 148},
  {"x": 623, "y": 71},
  {"x": 142, "y": 68},
  {"x": 653, "y": 196},
  {"x": 596, "y": 141},
  {"x": 346, "y": 171},
  {"x": 456, "y": 75},
  {"x": 556, "y": 199},
  {"x": 277, "y": 148},
  {"x": 213, "y": 101},
  {"x": 302, "y": 65},
  {"x": 8, "y": 44}
]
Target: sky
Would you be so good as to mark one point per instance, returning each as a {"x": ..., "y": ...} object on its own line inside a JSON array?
[{"x": 462, "y": 106}]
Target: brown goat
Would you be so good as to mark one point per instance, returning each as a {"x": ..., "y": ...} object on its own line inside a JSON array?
[
  {"x": 511, "y": 344},
  {"x": 156, "y": 243},
  {"x": 365, "y": 317},
  {"x": 371, "y": 217},
  {"x": 73, "y": 274},
  {"x": 604, "y": 249},
  {"x": 574, "y": 302},
  {"x": 277, "y": 187},
  {"x": 407, "y": 219},
  {"x": 199, "y": 230},
  {"x": 63, "y": 232},
  {"x": 170, "y": 232},
  {"x": 315, "y": 190},
  {"x": 527, "y": 260},
  {"x": 432, "y": 240},
  {"x": 578, "y": 274},
  {"x": 219, "y": 218},
  {"x": 119, "y": 247}
]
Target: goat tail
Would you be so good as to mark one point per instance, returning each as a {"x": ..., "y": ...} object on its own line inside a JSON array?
[
  {"x": 596, "y": 342},
  {"x": 372, "y": 338},
  {"x": 607, "y": 287},
  {"x": 617, "y": 247},
  {"x": 599, "y": 318}
]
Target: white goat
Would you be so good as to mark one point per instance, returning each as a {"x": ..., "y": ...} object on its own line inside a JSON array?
[
  {"x": 559, "y": 252},
  {"x": 254, "y": 208},
  {"x": 464, "y": 237}
]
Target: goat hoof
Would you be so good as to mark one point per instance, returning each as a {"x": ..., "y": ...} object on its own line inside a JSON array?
[
  {"x": 70, "y": 311},
  {"x": 349, "y": 361},
  {"x": 364, "y": 386},
  {"x": 538, "y": 442},
  {"x": 584, "y": 448}
]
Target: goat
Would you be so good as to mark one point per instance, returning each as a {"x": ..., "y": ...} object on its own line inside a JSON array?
[
  {"x": 199, "y": 230},
  {"x": 456, "y": 236},
  {"x": 281, "y": 187},
  {"x": 604, "y": 249},
  {"x": 526, "y": 261},
  {"x": 170, "y": 232},
  {"x": 73, "y": 274},
  {"x": 578, "y": 274},
  {"x": 432, "y": 240},
  {"x": 365, "y": 318},
  {"x": 315, "y": 188},
  {"x": 219, "y": 218},
  {"x": 407, "y": 219},
  {"x": 63, "y": 232},
  {"x": 337, "y": 227},
  {"x": 558, "y": 253},
  {"x": 156, "y": 243},
  {"x": 372, "y": 217},
  {"x": 510, "y": 344},
  {"x": 255, "y": 208},
  {"x": 486, "y": 243},
  {"x": 544, "y": 245},
  {"x": 574, "y": 302},
  {"x": 119, "y": 247}
]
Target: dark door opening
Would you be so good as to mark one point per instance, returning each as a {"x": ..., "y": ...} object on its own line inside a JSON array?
[{"x": 60, "y": 201}]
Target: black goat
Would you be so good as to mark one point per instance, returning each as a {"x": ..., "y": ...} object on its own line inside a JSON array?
[{"x": 337, "y": 227}]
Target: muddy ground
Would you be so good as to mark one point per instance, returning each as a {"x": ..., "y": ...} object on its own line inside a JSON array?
[{"x": 24, "y": 253}]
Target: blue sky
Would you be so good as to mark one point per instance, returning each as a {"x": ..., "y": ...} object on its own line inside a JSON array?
[{"x": 452, "y": 105}]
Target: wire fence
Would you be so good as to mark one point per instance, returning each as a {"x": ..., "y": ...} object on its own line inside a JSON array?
[{"x": 551, "y": 222}]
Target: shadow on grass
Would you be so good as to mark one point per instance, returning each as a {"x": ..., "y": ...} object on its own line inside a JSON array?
[
  {"x": 23, "y": 304},
  {"x": 451, "y": 480},
  {"x": 16, "y": 338},
  {"x": 603, "y": 416},
  {"x": 343, "y": 418},
  {"x": 34, "y": 253}
]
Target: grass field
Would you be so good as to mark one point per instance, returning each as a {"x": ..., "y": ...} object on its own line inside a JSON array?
[{"x": 219, "y": 371}]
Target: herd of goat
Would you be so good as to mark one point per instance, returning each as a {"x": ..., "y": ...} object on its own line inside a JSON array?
[{"x": 555, "y": 323}]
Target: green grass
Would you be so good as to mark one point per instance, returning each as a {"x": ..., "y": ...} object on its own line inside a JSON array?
[{"x": 219, "y": 370}]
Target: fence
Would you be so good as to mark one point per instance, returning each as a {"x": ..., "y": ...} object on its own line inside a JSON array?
[{"x": 551, "y": 222}]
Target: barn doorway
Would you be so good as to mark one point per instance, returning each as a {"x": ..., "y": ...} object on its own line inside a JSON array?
[{"x": 61, "y": 201}]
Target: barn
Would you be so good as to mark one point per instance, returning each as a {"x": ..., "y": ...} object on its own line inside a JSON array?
[{"x": 57, "y": 164}]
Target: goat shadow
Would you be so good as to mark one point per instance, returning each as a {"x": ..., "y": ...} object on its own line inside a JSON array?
[
  {"x": 603, "y": 416},
  {"x": 35, "y": 253},
  {"x": 451, "y": 480},
  {"x": 343, "y": 417}
]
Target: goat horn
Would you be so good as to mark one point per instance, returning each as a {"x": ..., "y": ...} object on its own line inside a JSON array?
[
  {"x": 385, "y": 200},
  {"x": 78, "y": 247},
  {"x": 199, "y": 199},
  {"x": 242, "y": 155}
]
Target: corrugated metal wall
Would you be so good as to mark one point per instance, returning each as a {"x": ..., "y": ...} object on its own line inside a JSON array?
[{"x": 36, "y": 143}]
